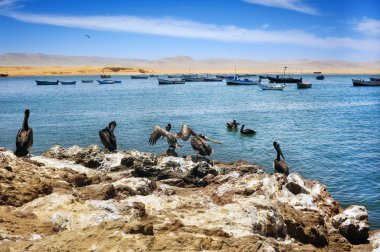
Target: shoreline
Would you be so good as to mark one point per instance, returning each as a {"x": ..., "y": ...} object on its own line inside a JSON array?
[
  {"x": 149, "y": 201},
  {"x": 23, "y": 71}
]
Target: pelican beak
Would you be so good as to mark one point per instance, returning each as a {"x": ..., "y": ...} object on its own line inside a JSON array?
[{"x": 212, "y": 140}]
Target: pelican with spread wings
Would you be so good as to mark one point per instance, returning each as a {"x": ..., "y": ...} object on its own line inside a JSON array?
[{"x": 198, "y": 142}]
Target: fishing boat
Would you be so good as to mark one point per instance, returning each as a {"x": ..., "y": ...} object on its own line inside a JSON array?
[
  {"x": 237, "y": 81},
  {"x": 265, "y": 84},
  {"x": 374, "y": 79},
  {"x": 117, "y": 81},
  {"x": 153, "y": 75},
  {"x": 170, "y": 82},
  {"x": 213, "y": 79},
  {"x": 87, "y": 81},
  {"x": 284, "y": 79},
  {"x": 193, "y": 78},
  {"x": 68, "y": 82},
  {"x": 104, "y": 76},
  {"x": 246, "y": 75},
  {"x": 320, "y": 77},
  {"x": 139, "y": 76},
  {"x": 40, "y": 82},
  {"x": 174, "y": 76},
  {"x": 356, "y": 82},
  {"x": 304, "y": 85},
  {"x": 4, "y": 75},
  {"x": 106, "y": 81}
]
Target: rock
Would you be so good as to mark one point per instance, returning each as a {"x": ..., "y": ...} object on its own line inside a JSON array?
[
  {"x": 202, "y": 169},
  {"x": 97, "y": 192},
  {"x": 353, "y": 224},
  {"x": 79, "y": 180},
  {"x": 127, "y": 161}
]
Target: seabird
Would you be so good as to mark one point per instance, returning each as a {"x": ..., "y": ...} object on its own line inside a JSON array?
[
  {"x": 232, "y": 125},
  {"x": 198, "y": 142},
  {"x": 24, "y": 138},
  {"x": 279, "y": 165},
  {"x": 107, "y": 137},
  {"x": 246, "y": 131},
  {"x": 86, "y": 35}
]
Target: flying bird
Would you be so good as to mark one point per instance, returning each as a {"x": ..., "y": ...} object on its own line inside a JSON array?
[
  {"x": 24, "y": 138},
  {"x": 198, "y": 142},
  {"x": 279, "y": 165},
  {"x": 88, "y": 36},
  {"x": 107, "y": 137}
]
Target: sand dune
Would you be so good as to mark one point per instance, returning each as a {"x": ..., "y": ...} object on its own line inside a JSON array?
[{"x": 18, "y": 64}]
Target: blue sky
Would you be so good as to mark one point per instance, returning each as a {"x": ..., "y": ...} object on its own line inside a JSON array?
[{"x": 248, "y": 29}]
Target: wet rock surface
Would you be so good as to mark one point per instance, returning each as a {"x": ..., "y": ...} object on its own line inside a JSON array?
[{"x": 88, "y": 199}]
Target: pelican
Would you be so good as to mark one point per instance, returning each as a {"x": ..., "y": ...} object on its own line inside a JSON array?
[
  {"x": 279, "y": 165},
  {"x": 107, "y": 137},
  {"x": 24, "y": 138},
  {"x": 232, "y": 125},
  {"x": 198, "y": 142},
  {"x": 200, "y": 146},
  {"x": 246, "y": 131}
]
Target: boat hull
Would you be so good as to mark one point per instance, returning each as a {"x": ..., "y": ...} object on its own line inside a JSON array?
[
  {"x": 139, "y": 77},
  {"x": 170, "y": 82},
  {"x": 370, "y": 83},
  {"x": 87, "y": 81},
  {"x": 104, "y": 76},
  {"x": 320, "y": 77},
  {"x": 304, "y": 85},
  {"x": 68, "y": 82},
  {"x": 46, "y": 83},
  {"x": 4, "y": 75},
  {"x": 284, "y": 80},
  {"x": 271, "y": 86},
  {"x": 106, "y": 82}
]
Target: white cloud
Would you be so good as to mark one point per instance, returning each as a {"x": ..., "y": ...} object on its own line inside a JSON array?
[
  {"x": 294, "y": 5},
  {"x": 194, "y": 30},
  {"x": 7, "y": 3},
  {"x": 368, "y": 26},
  {"x": 265, "y": 26}
]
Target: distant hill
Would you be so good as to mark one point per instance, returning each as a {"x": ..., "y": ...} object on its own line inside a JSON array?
[{"x": 182, "y": 64}]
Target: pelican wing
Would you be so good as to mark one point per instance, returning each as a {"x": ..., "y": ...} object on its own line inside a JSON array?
[
  {"x": 24, "y": 141},
  {"x": 200, "y": 145},
  {"x": 185, "y": 133},
  {"x": 157, "y": 133},
  {"x": 212, "y": 140},
  {"x": 108, "y": 139}
]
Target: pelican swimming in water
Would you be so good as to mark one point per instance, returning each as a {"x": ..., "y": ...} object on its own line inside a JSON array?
[
  {"x": 279, "y": 165},
  {"x": 24, "y": 138},
  {"x": 246, "y": 131},
  {"x": 233, "y": 125},
  {"x": 107, "y": 137},
  {"x": 198, "y": 142}
]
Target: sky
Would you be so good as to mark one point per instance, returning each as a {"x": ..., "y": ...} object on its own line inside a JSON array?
[{"x": 202, "y": 29}]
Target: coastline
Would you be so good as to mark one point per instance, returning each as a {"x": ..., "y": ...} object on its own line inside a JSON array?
[{"x": 154, "y": 202}]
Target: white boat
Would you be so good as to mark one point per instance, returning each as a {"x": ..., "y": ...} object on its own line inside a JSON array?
[
  {"x": 264, "y": 84},
  {"x": 170, "y": 82},
  {"x": 237, "y": 81}
]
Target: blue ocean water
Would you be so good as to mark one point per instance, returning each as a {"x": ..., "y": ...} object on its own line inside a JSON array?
[{"x": 329, "y": 133}]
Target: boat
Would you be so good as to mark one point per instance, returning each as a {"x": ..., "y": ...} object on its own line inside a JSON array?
[
  {"x": 304, "y": 85},
  {"x": 320, "y": 77},
  {"x": 374, "y": 79},
  {"x": 246, "y": 75},
  {"x": 104, "y": 76},
  {"x": 153, "y": 75},
  {"x": 87, "y": 81},
  {"x": 68, "y": 82},
  {"x": 317, "y": 72},
  {"x": 284, "y": 79},
  {"x": 213, "y": 79},
  {"x": 40, "y": 82},
  {"x": 237, "y": 81},
  {"x": 139, "y": 76},
  {"x": 265, "y": 84},
  {"x": 106, "y": 81},
  {"x": 170, "y": 82},
  {"x": 117, "y": 81},
  {"x": 4, "y": 75},
  {"x": 373, "y": 83},
  {"x": 174, "y": 76},
  {"x": 194, "y": 79}
]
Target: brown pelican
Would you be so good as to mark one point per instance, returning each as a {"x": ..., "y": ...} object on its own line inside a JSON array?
[
  {"x": 233, "y": 125},
  {"x": 107, "y": 137},
  {"x": 246, "y": 131},
  {"x": 200, "y": 146},
  {"x": 279, "y": 165},
  {"x": 24, "y": 138},
  {"x": 198, "y": 142}
]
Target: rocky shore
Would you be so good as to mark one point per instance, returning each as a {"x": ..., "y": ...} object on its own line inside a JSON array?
[{"x": 86, "y": 199}]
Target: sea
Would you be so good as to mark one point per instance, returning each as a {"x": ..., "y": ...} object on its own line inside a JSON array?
[{"x": 329, "y": 133}]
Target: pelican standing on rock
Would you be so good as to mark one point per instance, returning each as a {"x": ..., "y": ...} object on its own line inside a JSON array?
[
  {"x": 107, "y": 137},
  {"x": 246, "y": 131},
  {"x": 279, "y": 165},
  {"x": 233, "y": 125},
  {"x": 24, "y": 138},
  {"x": 200, "y": 146}
]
